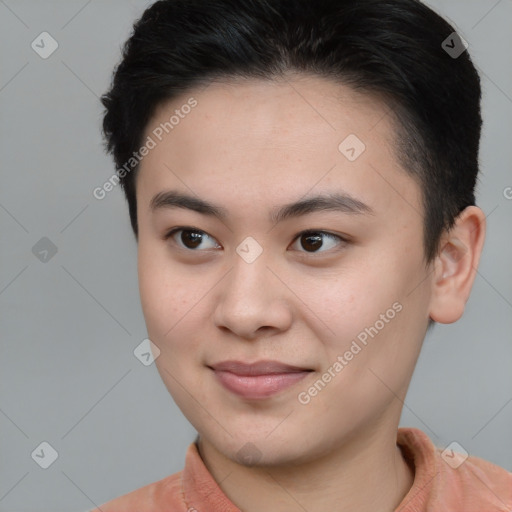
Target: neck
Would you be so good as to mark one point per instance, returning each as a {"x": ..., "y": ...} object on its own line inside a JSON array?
[{"x": 367, "y": 474}]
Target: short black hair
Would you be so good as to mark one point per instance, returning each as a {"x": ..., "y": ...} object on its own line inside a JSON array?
[{"x": 390, "y": 48}]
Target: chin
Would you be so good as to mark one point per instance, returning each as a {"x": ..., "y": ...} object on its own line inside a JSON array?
[{"x": 257, "y": 450}]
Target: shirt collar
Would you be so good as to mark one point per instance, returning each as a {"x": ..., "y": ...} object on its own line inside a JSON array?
[{"x": 201, "y": 492}]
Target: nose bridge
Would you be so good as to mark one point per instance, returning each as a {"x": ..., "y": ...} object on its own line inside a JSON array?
[
  {"x": 251, "y": 295},
  {"x": 249, "y": 272}
]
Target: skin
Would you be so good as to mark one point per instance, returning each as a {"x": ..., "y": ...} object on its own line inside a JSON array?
[{"x": 251, "y": 146}]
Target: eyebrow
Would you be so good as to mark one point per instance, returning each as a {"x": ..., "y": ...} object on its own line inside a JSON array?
[{"x": 341, "y": 202}]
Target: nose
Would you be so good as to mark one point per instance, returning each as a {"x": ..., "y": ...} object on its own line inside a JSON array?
[{"x": 252, "y": 301}]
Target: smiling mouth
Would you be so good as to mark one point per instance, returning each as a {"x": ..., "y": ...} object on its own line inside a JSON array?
[{"x": 257, "y": 381}]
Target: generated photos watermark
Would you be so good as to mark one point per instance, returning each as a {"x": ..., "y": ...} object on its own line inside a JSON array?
[
  {"x": 150, "y": 143},
  {"x": 305, "y": 397}
]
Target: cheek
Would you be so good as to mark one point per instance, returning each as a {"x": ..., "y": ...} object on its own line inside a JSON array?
[
  {"x": 346, "y": 302},
  {"x": 164, "y": 293},
  {"x": 368, "y": 301},
  {"x": 170, "y": 302},
  {"x": 173, "y": 303},
  {"x": 379, "y": 326}
]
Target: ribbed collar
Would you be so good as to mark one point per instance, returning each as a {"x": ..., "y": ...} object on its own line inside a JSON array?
[{"x": 201, "y": 492}]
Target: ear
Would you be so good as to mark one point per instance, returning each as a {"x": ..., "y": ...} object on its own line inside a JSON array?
[{"x": 456, "y": 264}]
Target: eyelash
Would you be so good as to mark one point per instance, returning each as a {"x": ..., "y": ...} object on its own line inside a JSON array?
[{"x": 342, "y": 240}]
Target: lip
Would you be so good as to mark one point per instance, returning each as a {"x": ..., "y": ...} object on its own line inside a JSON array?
[{"x": 258, "y": 380}]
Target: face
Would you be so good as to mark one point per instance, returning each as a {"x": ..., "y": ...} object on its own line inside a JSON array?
[{"x": 328, "y": 298}]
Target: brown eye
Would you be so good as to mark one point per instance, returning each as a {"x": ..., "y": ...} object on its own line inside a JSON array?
[
  {"x": 188, "y": 238},
  {"x": 191, "y": 239},
  {"x": 313, "y": 241}
]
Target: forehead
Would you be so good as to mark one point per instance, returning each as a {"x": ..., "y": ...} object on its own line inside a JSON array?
[
  {"x": 295, "y": 108},
  {"x": 264, "y": 140}
]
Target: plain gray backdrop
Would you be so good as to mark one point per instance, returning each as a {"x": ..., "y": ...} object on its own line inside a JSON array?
[{"x": 70, "y": 321}]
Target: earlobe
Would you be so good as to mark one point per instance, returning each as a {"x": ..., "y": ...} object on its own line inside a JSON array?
[{"x": 456, "y": 264}]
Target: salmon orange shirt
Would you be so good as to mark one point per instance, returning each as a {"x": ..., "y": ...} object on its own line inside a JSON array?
[{"x": 440, "y": 484}]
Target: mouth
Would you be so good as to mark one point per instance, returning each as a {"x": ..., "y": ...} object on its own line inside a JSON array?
[{"x": 259, "y": 380}]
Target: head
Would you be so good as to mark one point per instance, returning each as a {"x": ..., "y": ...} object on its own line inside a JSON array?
[{"x": 329, "y": 152}]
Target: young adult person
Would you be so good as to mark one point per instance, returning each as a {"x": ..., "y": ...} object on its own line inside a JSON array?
[{"x": 300, "y": 179}]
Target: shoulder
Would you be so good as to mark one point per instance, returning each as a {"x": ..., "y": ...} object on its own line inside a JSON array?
[
  {"x": 446, "y": 479},
  {"x": 482, "y": 480},
  {"x": 155, "y": 496}
]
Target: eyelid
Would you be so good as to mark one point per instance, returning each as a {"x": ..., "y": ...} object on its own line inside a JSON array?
[
  {"x": 172, "y": 231},
  {"x": 309, "y": 231}
]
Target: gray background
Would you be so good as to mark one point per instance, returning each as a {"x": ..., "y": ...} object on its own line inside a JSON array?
[{"x": 69, "y": 325}]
